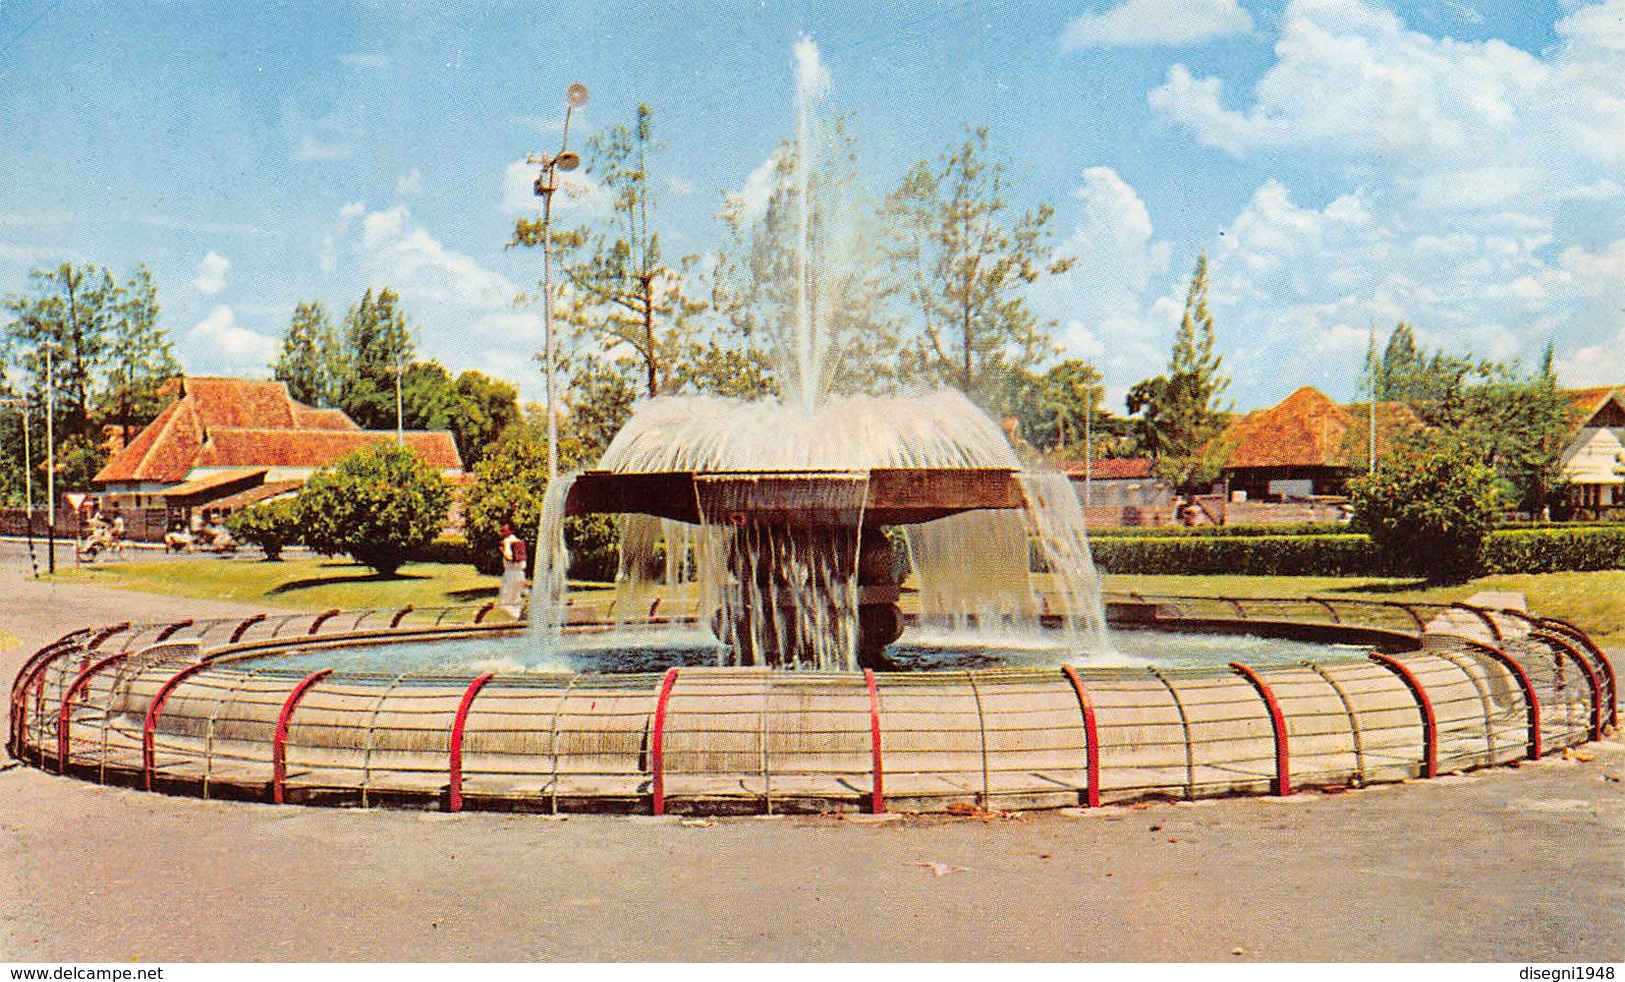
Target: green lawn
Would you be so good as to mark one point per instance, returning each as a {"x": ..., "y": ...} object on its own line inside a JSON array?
[
  {"x": 1594, "y": 601},
  {"x": 309, "y": 583}
]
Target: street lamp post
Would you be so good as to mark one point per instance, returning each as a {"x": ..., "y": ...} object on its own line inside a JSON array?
[{"x": 546, "y": 183}]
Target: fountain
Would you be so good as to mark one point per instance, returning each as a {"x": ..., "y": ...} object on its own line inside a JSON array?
[
  {"x": 785, "y": 525},
  {"x": 790, "y": 508}
]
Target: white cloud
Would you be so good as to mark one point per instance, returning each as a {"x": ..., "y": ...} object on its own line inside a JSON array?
[
  {"x": 410, "y": 184},
  {"x": 1453, "y": 179},
  {"x": 463, "y": 313},
  {"x": 211, "y": 273},
  {"x": 1460, "y": 125},
  {"x": 1295, "y": 290},
  {"x": 1163, "y": 22},
  {"x": 1108, "y": 301},
  {"x": 219, "y": 344}
]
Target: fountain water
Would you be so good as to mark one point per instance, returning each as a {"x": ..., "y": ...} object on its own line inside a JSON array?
[{"x": 780, "y": 508}]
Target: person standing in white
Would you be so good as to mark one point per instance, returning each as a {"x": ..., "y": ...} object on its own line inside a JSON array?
[{"x": 513, "y": 572}]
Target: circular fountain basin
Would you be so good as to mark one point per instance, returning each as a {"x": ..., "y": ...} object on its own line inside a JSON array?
[
  {"x": 656, "y": 649},
  {"x": 267, "y": 709}
]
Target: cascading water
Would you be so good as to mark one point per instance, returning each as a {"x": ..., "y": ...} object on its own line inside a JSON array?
[{"x": 780, "y": 566}]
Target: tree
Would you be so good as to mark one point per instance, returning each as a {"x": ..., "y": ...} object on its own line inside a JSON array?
[
  {"x": 623, "y": 289},
  {"x": 1180, "y": 414},
  {"x": 509, "y": 489},
  {"x": 377, "y": 345},
  {"x": 311, "y": 362},
  {"x": 379, "y": 504},
  {"x": 1429, "y": 508},
  {"x": 600, "y": 401},
  {"x": 271, "y": 525},
  {"x": 72, "y": 309},
  {"x": 1516, "y": 423},
  {"x": 964, "y": 260},
  {"x": 139, "y": 358},
  {"x": 1057, "y": 409},
  {"x": 485, "y": 407},
  {"x": 474, "y": 406},
  {"x": 724, "y": 370}
]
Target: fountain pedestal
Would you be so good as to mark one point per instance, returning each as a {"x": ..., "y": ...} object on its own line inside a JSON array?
[{"x": 810, "y": 574}]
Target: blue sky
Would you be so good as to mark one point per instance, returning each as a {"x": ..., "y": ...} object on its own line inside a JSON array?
[{"x": 1345, "y": 163}]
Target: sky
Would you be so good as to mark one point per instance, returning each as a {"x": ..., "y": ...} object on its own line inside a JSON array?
[{"x": 1345, "y": 164}]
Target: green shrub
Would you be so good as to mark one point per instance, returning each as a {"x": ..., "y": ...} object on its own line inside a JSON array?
[
  {"x": 1429, "y": 510},
  {"x": 269, "y": 525},
  {"x": 510, "y": 485},
  {"x": 450, "y": 549},
  {"x": 380, "y": 504}
]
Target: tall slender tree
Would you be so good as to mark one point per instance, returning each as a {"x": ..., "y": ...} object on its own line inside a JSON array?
[
  {"x": 965, "y": 258},
  {"x": 377, "y": 345},
  {"x": 624, "y": 289},
  {"x": 139, "y": 358},
  {"x": 1180, "y": 410},
  {"x": 311, "y": 362},
  {"x": 70, "y": 308}
]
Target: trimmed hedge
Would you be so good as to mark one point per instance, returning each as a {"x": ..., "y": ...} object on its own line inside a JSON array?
[
  {"x": 1270, "y": 555},
  {"x": 1219, "y": 531},
  {"x": 1554, "y": 550},
  {"x": 1546, "y": 550}
]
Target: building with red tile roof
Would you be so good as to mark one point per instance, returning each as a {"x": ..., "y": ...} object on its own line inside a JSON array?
[
  {"x": 235, "y": 434},
  {"x": 1307, "y": 445}
]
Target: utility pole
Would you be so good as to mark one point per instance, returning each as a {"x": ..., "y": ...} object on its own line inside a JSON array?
[
  {"x": 50, "y": 455},
  {"x": 400, "y": 426},
  {"x": 1088, "y": 445},
  {"x": 575, "y": 97},
  {"x": 1371, "y": 397}
]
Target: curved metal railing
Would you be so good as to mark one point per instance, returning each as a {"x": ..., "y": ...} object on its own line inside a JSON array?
[{"x": 164, "y": 707}]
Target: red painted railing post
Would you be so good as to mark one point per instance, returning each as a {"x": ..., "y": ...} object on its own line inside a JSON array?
[
  {"x": 65, "y": 716},
  {"x": 1283, "y": 762},
  {"x": 149, "y": 724},
  {"x": 454, "y": 797},
  {"x": 322, "y": 618},
  {"x": 169, "y": 631},
  {"x": 1424, "y": 705},
  {"x": 657, "y": 740},
  {"x": 877, "y": 789},
  {"x": 1091, "y": 736},
  {"x": 242, "y": 628},
  {"x": 106, "y": 632},
  {"x": 279, "y": 744}
]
